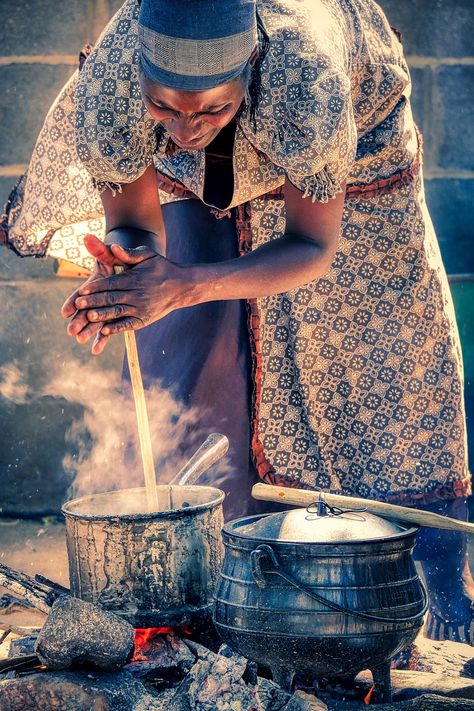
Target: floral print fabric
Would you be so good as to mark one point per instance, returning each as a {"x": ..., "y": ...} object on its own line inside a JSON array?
[{"x": 359, "y": 373}]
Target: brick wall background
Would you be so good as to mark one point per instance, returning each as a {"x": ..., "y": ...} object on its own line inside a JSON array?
[{"x": 39, "y": 44}]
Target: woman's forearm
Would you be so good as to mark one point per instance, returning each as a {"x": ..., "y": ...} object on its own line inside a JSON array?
[{"x": 273, "y": 268}]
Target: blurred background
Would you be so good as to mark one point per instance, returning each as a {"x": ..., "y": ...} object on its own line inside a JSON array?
[{"x": 39, "y": 45}]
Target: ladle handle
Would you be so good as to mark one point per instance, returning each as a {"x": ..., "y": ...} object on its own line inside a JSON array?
[
  {"x": 303, "y": 497},
  {"x": 215, "y": 446}
]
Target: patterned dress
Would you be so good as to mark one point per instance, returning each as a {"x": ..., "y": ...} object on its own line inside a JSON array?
[{"x": 358, "y": 375}]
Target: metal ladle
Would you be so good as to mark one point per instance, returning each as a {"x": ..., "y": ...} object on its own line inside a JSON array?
[{"x": 213, "y": 449}]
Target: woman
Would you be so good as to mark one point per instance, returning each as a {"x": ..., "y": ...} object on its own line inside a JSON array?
[{"x": 239, "y": 115}]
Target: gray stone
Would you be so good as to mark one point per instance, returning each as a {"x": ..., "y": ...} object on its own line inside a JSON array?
[
  {"x": 450, "y": 204},
  {"x": 412, "y": 684},
  {"x": 28, "y": 90},
  {"x": 77, "y": 691},
  {"x": 452, "y": 98},
  {"x": 80, "y": 633},
  {"x": 440, "y": 28},
  {"x": 444, "y": 658},
  {"x": 422, "y": 79},
  {"x": 43, "y": 27},
  {"x": 7, "y": 183}
]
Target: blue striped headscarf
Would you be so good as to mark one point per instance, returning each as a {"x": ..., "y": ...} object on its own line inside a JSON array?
[{"x": 196, "y": 44}]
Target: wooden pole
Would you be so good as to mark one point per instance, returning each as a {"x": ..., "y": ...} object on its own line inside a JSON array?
[
  {"x": 303, "y": 497},
  {"x": 143, "y": 424},
  {"x": 142, "y": 421}
]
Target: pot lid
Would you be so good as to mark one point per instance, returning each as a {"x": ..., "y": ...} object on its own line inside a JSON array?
[{"x": 306, "y": 526}]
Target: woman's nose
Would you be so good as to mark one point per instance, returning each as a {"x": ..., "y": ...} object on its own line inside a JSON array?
[{"x": 185, "y": 129}]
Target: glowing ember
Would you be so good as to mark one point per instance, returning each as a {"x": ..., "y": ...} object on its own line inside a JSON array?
[
  {"x": 148, "y": 640},
  {"x": 368, "y": 695},
  {"x": 144, "y": 638}
]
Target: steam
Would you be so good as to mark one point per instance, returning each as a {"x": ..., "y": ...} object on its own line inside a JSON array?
[
  {"x": 12, "y": 385},
  {"x": 104, "y": 450},
  {"x": 101, "y": 449}
]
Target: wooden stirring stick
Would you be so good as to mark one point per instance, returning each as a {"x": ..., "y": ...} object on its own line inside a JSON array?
[
  {"x": 303, "y": 497},
  {"x": 143, "y": 424},
  {"x": 142, "y": 420}
]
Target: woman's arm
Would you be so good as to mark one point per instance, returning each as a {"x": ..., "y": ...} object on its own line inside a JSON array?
[
  {"x": 155, "y": 286},
  {"x": 133, "y": 217},
  {"x": 303, "y": 254}
]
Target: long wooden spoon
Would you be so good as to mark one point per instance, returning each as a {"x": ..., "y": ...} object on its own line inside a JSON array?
[{"x": 303, "y": 497}]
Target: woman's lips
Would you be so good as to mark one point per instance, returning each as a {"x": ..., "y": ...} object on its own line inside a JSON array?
[{"x": 188, "y": 144}]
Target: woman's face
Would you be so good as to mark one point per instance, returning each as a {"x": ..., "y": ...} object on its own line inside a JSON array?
[{"x": 192, "y": 118}]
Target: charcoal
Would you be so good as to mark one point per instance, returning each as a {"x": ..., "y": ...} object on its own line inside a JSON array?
[
  {"x": 80, "y": 633},
  {"x": 301, "y": 701},
  {"x": 23, "y": 645},
  {"x": 163, "y": 661},
  {"x": 215, "y": 684}
]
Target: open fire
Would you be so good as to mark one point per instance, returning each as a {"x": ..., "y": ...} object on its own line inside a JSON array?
[{"x": 148, "y": 639}]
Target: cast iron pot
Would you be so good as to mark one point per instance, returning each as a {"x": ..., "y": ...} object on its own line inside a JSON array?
[
  {"x": 153, "y": 569},
  {"x": 321, "y": 595}
]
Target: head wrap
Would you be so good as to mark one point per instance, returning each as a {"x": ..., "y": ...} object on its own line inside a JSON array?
[{"x": 196, "y": 44}]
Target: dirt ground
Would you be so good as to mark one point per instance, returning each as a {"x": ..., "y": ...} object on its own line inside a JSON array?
[{"x": 33, "y": 547}]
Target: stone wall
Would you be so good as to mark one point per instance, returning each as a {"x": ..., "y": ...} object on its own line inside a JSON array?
[{"x": 39, "y": 44}]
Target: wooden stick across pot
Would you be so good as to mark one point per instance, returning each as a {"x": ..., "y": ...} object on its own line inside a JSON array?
[{"x": 303, "y": 497}]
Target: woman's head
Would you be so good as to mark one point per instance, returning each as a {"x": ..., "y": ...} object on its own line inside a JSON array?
[
  {"x": 196, "y": 59},
  {"x": 194, "y": 118}
]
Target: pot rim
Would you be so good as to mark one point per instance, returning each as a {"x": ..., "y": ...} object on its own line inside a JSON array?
[
  {"x": 348, "y": 542},
  {"x": 153, "y": 515}
]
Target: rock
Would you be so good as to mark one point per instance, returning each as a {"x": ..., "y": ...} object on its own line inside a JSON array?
[
  {"x": 301, "y": 701},
  {"x": 429, "y": 702},
  {"x": 444, "y": 658},
  {"x": 410, "y": 684},
  {"x": 77, "y": 691},
  {"x": 271, "y": 697},
  {"x": 78, "y": 632}
]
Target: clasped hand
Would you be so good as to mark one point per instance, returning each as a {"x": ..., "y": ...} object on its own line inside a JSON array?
[{"x": 107, "y": 303}]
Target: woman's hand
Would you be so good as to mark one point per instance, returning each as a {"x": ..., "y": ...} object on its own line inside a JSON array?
[{"x": 107, "y": 303}]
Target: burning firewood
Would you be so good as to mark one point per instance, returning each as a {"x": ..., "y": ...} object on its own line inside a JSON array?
[{"x": 78, "y": 632}]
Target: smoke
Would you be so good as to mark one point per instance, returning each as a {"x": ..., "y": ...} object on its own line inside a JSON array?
[
  {"x": 104, "y": 453},
  {"x": 12, "y": 385},
  {"x": 101, "y": 449}
]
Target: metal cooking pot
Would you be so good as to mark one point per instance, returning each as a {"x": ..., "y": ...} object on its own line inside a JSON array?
[
  {"x": 154, "y": 569},
  {"x": 319, "y": 592}
]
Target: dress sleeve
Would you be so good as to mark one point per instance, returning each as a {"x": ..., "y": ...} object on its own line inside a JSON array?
[
  {"x": 115, "y": 136},
  {"x": 305, "y": 121}
]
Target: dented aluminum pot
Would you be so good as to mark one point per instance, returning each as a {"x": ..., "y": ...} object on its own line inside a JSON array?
[{"x": 153, "y": 569}]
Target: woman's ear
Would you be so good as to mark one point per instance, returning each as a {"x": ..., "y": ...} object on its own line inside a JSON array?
[{"x": 254, "y": 56}]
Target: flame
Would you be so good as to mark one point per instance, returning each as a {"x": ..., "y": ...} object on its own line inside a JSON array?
[
  {"x": 144, "y": 635},
  {"x": 144, "y": 639},
  {"x": 368, "y": 695}
]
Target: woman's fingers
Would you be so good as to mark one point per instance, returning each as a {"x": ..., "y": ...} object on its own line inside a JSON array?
[
  {"x": 100, "y": 341},
  {"x": 103, "y": 298},
  {"x": 129, "y": 323},
  {"x": 78, "y": 322},
  {"x": 110, "y": 313},
  {"x": 69, "y": 307},
  {"x": 87, "y": 332},
  {"x": 116, "y": 282}
]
